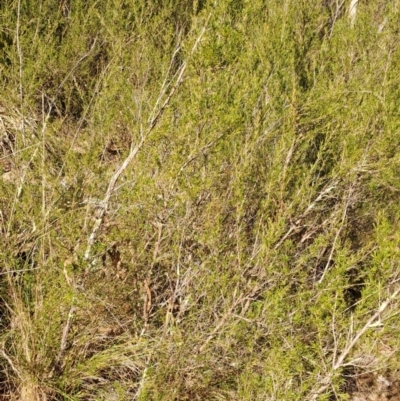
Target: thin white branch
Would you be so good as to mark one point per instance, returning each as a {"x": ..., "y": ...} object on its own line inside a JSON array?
[
  {"x": 338, "y": 232},
  {"x": 19, "y": 51},
  {"x": 18, "y": 271},
  {"x": 64, "y": 337},
  {"x": 376, "y": 317},
  {"x": 106, "y": 200},
  {"x": 326, "y": 381},
  {"x": 353, "y": 12},
  {"x": 11, "y": 363},
  {"x": 102, "y": 210}
]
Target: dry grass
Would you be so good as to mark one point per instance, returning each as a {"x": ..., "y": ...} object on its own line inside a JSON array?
[{"x": 199, "y": 201}]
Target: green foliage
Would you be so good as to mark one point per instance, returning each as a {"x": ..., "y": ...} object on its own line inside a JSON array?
[{"x": 243, "y": 249}]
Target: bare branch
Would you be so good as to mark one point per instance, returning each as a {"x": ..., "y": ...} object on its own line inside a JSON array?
[
  {"x": 64, "y": 337},
  {"x": 102, "y": 210},
  {"x": 326, "y": 381}
]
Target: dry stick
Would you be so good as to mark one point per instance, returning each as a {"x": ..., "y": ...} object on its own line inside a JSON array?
[
  {"x": 179, "y": 79},
  {"x": 296, "y": 225},
  {"x": 335, "y": 17},
  {"x": 165, "y": 85},
  {"x": 326, "y": 382},
  {"x": 19, "y": 151},
  {"x": 101, "y": 212},
  {"x": 18, "y": 193},
  {"x": 353, "y": 12},
  {"x": 64, "y": 337},
  {"x": 240, "y": 300},
  {"x": 18, "y": 271},
  {"x": 344, "y": 215},
  {"x": 220, "y": 324},
  {"x": 10, "y": 361},
  {"x": 73, "y": 69},
  {"x": 104, "y": 203},
  {"x": 19, "y": 51}
]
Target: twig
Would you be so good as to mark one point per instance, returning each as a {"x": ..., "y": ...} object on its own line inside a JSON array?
[
  {"x": 102, "y": 209},
  {"x": 64, "y": 338},
  {"x": 165, "y": 84},
  {"x": 179, "y": 80},
  {"x": 18, "y": 271},
  {"x": 370, "y": 323},
  {"x": 10, "y": 362},
  {"x": 241, "y": 300},
  {"x": 353, "y": 12},
  {"x": 296, "y": 226},
  {"x": 326, "y": 381},
  {"x": 338, "y": 232},
  {"x": 19, "y": 51}
]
